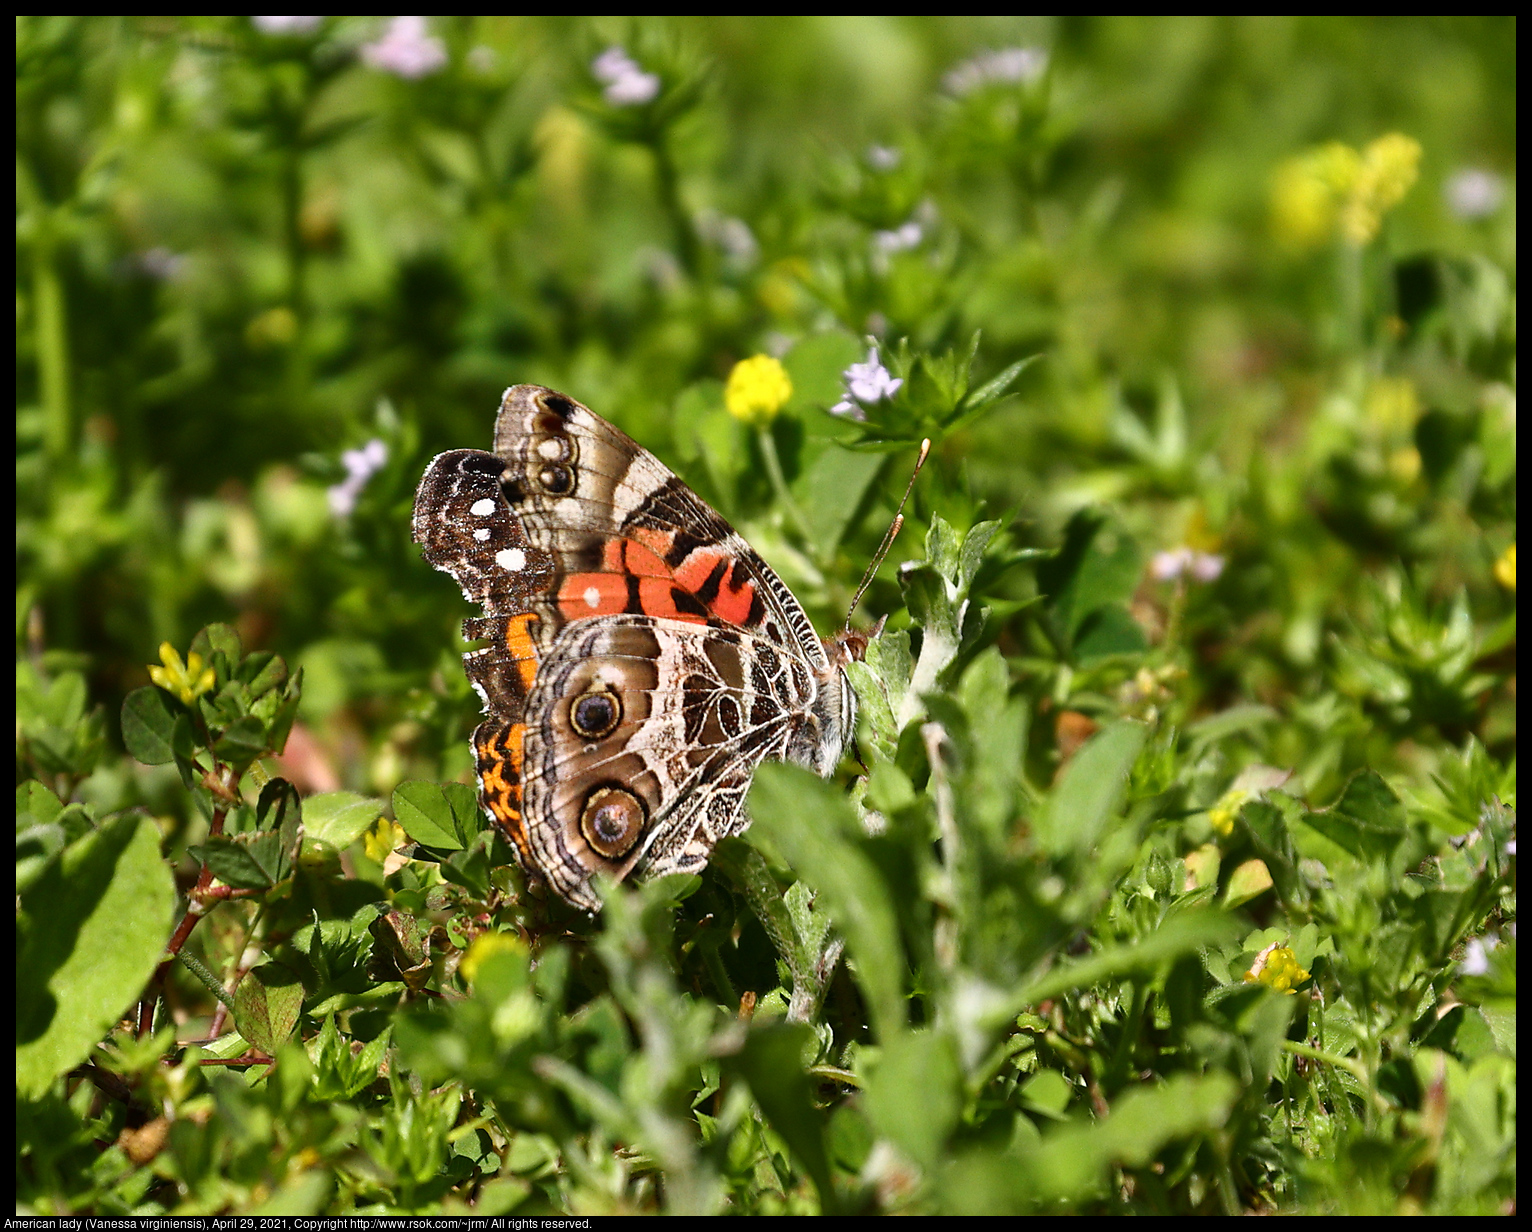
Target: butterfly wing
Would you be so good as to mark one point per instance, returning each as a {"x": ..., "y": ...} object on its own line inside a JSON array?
[
  {"x": 649, "y": 732},
  {"x": 641, "y": 658}
]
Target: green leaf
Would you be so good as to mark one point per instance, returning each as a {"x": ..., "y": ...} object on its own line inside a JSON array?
[
  {"x": 914, "y": 1093},
  {"x": 244, "y": 861},
  {"x": 772, "y": 1063},
  {"x": 1091, "y": 789},
  {"x": 148, "y": 721},
  {"x": 469, "y": 869},
  {"x": 1178, "y": 935},
  {"x": 882, "y": 682},
  {"x": 466, "y": 814},
  {"x": 36, "y": 804},
  {"x": 89, "y": 933},
  {"x": 1268, "y": 822},
  {"x": 1047, "y": 1092},
  {"x": 831, "y": 490},
  {"x": 995, "y": 387},
  {"x": 1109, "y": 630},
  {"x": 1097, "y": 566},
  {"x": 261, "y": 672},
  {"x": 1071, "y": 1164},
  {"x": 44, "y": 827},
  {"x": 426, "y": 814},
  {"x": 1250, "y": 879},
  {"x": 215, "y": 639},
  {"x": 242, "y": 742},
  {"x": 747, "y": 868},
  {"x": 336, "y": 819},
  {"x": 813, "y": 825},
  {"x": 266, "y": 1006},
  {"x": 1368, "y": 820},
  {"x": 936, "y": 591}
]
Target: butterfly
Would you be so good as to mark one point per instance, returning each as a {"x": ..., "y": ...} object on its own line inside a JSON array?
[{"x": 641, "y": 660}]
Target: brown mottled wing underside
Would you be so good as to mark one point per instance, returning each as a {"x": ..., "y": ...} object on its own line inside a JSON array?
[{"x": 640, "y": 659}]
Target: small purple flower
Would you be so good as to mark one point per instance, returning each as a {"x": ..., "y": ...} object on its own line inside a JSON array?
[
  {"x": 361, "y": 465},
  {"x": 901, "y": 239},
  {"x": 1474, "y": 193},
  {"x": 406, "y": 49},
  {"x": 1168, "y": 566},
  {"x": 1206, "y": 567},
  {"x": 627, "y": 85},
  {"x": 161, "y": 263},
  {"x": 286, "y": 25},
  {"x": 1012, "y": 66},
  {"x": 865, "y": 383},
  {"x": 732, "y": 236}
]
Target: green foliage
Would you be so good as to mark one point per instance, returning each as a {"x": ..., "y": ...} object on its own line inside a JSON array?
[{"x": 1174, "y": 869}]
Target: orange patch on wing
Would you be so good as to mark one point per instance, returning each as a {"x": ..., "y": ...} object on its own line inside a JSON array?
[
  {"x": 657, "y": 541},
  {"x": 518, "y": 640},
  {"x": 500, "y": 763},
  {"x": 637, "y": 556},
  {"x": 593, "y": 594},
  {"x": 733, "y": 601},
  {"x": 661, "y": 591},
  {"x": 657, "y": 596}
]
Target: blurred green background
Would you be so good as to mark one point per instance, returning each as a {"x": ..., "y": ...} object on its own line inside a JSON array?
[
  {"x": 1243, "y": 500},
  {"x": 248, "y": 246}
]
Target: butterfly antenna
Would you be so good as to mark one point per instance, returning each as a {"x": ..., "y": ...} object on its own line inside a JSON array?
[{"x": 892, "y": 532}]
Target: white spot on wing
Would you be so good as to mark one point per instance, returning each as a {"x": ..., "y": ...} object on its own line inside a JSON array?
[
  {"x": 481, "y": 534},
  {"x": 592, "y": 597},
  {"x": 482, "y": 508},
  {"x": 550, "y": 448},
  {"x": 513, "y": 559}
]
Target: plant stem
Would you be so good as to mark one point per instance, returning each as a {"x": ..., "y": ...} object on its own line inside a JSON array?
[
  {"x": 779, "y": 486},
  {"x": 49, "y": 315},
  {"x": 670, "y": 198}
]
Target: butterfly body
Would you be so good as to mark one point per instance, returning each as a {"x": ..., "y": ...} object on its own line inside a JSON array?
[{"x": 640, "y": 660}]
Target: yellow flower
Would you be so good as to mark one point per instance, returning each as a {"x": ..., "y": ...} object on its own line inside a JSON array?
[
  {"x": 1404, "y": 464},
  {"x": 757, "y": 389},
  {"x": 1306, "y": 192},
  {"x": 1334, "y": 188},
  {"x": 485, "y": 945},
  {"x": 1393, "y": 404},
  {"x": 1390, "y": 166},
  {"x": 1277, "y": 967},
  {"x": 1223, "y": 813},
  {"x": 1505, "y": 568},
  {"x": 276, "y": 327},
  {"x": 188, "y": 681},
  {"x": 383, "y": 839}
]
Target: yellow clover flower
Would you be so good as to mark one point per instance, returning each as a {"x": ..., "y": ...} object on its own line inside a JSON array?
[
  {"x": 1277, "y": 967},
  {"x": 382, "y": 839},
  {"x": 758, "y": 388},
  {"x": 1306, "y": 189},
  {"x": 1390, "y": 166},
  {"x": 1336, "y": 188},
  {"x": 188, "y": 681},
  {"x": 486, "y": 945},
  {"x": 1223, "y": 813},
  {"x": 1505, "y": 569}
]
